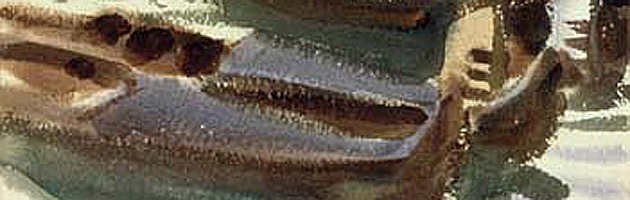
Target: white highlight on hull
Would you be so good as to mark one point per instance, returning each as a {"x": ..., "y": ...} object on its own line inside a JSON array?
[
  {"x": 8, "y": 79},
  {"x": 88, "y": 100}
]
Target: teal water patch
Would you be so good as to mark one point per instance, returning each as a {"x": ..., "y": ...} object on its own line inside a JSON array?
[
  {"x": 411, "y": 56},
  {"x": 71, "y": 175}
]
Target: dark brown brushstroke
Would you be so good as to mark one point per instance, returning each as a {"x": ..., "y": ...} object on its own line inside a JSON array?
[{"x": 349, "y": 113}]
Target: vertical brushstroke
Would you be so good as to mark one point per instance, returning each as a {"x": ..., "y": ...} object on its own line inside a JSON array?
[
  {"x": 499, "y": 54},
  {"x": 594, "y": 38}
]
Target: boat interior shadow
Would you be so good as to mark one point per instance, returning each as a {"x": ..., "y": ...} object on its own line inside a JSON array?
[
  {"x": 350, "y": 114},
  {"x": 107, "y": 74}
]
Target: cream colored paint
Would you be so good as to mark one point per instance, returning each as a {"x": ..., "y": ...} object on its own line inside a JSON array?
[
  {"x": 15, "y": 186},
  {"x": 589, "y": 180}
]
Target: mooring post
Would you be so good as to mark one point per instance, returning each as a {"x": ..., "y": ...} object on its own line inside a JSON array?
[
  {"x": 594, "y": 41},
  {"x": 499, "y": 54}
]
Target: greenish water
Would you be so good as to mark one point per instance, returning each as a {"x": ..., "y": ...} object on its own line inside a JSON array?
[{"x": 410, "y": 56}]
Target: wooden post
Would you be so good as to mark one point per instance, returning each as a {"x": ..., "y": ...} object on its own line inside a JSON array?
[
  {"x": 624, "y": 12},
  {"x": 594, "y": 42},
  {"x": 499, "y": 54}
]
